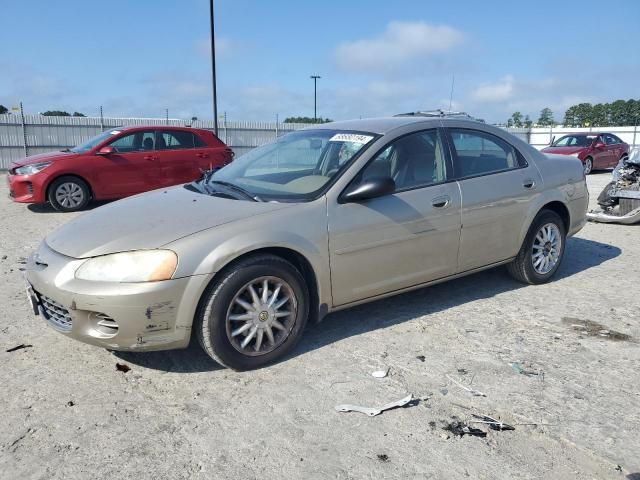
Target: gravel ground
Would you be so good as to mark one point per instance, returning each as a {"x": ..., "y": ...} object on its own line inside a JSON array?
[{"x": 67, "y": 412}]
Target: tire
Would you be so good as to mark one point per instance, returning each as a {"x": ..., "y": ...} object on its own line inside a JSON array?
[
  {"x": 69, "y": 194},
  {"x": 221, "y": 313},
  {"x": 523, "y": 268},
  {"x": 588, "y": 165}
]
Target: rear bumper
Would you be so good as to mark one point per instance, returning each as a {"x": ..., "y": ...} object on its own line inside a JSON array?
[
  {"x": 26, "y": 188},
  {"x": 117, "y": 316}
]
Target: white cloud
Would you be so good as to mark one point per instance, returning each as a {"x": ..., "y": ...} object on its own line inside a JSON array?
[
  {"x": 495, "y": 92},
  {"x": 398, "y": 44}
]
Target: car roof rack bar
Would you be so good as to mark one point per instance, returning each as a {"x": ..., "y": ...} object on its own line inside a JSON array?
[{"x": 435, "y": 113}]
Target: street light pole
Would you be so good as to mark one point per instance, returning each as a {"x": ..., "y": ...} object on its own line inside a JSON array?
[
  {"x": 315, "y": 96},
  {"x": 213, "y": 69}
]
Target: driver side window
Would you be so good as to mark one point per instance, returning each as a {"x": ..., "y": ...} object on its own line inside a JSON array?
[
  {"x": 134, "y": 142},
  {"x": 413, "y": 161}
]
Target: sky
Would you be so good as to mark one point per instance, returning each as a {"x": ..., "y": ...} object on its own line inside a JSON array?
[{"x": 375, "y": 57}]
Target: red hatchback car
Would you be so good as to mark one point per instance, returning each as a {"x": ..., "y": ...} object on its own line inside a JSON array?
[
  {"x": 596, "y": 150},
  {"x": 117, "y": 163}
]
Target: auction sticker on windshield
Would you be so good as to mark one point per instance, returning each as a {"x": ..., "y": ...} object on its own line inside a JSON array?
[{"x": 351, "y": 137}]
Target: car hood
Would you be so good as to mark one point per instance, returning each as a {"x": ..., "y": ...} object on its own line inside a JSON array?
[
  {"x": 42, "y": 157},
  {"x": 150, "y": 220},
  {"x": 562, "y": 150}
]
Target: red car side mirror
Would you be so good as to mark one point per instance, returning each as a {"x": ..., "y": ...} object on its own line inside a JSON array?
[
  {"x": 599, "y": 145},
  {"x": 105, "y": 151}
]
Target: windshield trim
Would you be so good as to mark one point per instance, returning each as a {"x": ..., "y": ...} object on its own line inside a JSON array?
[{"x": 314, "y": 195}]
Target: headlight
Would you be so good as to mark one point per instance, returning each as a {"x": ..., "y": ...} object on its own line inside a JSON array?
[
  {"x": 31, "y": 169},
  {"x": 137, "y": 266}
]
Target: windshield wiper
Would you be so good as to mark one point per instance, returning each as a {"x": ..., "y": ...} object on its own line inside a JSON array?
[{"x": 235, "y": 187}]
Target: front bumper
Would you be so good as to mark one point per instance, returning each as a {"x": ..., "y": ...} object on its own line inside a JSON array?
[
  {"x": 118, "y": 316},
  {"x": 26, "y": 188}
]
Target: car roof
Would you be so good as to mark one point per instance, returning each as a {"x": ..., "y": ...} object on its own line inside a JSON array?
[
  {"x": 133, "y": 128},
  {"x": 379, "y": 125}
]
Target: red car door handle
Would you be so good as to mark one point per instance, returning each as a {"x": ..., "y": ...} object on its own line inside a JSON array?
[
  {"x": 149, "y": 157},
  {"x": 202, "y": 155}
]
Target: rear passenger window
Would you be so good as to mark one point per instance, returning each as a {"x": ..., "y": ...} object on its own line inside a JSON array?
[
  {"x": 480, "y": 153},
  {"x": 175, "y": 140}
]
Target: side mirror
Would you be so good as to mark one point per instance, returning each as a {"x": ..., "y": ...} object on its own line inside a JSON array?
[
  {"x": 105, "y": 151},
  {"x": 599, "y": 145},
  {"x": 372, "y": 188}
]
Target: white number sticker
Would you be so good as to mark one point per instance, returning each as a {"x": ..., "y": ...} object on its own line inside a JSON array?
[{"x": 351, "y": 137}]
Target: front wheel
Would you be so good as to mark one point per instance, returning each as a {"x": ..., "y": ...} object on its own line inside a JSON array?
[
  {"x": 69, "y": 194},
  {"x": 254, "y": 313},
  {"x": 542, "y": 250},
  {"x": 588, "y": 165}
]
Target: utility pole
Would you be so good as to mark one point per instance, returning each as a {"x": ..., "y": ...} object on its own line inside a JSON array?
[
  {"x": 213, "y": 69},
  {"x": 315, "y": 96},
  {"x": 166, "y": 116},
  {"x": 101, "y": 120},
  {"x": 453, "y": 79}
]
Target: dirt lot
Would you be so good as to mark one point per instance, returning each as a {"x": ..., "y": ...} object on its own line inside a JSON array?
[{"x": 573, "y": 395}]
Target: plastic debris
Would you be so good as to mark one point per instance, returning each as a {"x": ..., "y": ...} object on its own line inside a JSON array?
[
  {"x": 380, "y": 373},
  {"x": 518, "y": 369},
  {"x": 493, "y": 423},
  {"x": 475, "y": 393},
  {"x": 372, "y": 412},
  {"x": 460, "y": 429}
]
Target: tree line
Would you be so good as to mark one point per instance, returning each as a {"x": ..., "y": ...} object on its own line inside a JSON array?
[
  {"x": 619, "y": 113},
  {"x": 48, "y": 113}
]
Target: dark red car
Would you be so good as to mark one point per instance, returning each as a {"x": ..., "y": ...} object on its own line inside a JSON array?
[
  {"x": 117, "y": 163},
  {"x": 596, "y": 150}
]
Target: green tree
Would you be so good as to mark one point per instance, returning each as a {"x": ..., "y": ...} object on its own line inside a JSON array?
[
  {"x": 527, "y": 121},
  {"x": 599, "y": 115},
  {"x": 570, "y": 117},
  {"x": 56, "y": 113},
  {"x": 546, "y": 118},
  {"x": 515, "y": 120},
  {"x": 78, "y": 114},
  {"x": 3, "y": 109},
  {"x": 584, "y": 114},
  {"x": 306, "y": 120},
  {"x": 633, "y": 112}
]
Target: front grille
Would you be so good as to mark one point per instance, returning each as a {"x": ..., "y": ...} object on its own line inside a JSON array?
[
  {"x": 55, "y": 314},
  {"x": 29, "y": 188}
]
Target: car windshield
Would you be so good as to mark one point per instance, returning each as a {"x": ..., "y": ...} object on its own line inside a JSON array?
[
  {"x": 295, "y": 167},
  {"x": 574, "y": 141},
  {"x": 92, "y": 142}
]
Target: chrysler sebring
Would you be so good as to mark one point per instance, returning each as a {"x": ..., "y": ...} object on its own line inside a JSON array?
[{"x": 316, "y": 221}]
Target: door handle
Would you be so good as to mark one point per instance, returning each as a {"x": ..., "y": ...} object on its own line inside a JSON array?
[
  {"x": 202, "y": 155},
  {"x": 441, "y": 202},
  {"x": 528, "y": 183},
  {"x": 149, "y": 157}
]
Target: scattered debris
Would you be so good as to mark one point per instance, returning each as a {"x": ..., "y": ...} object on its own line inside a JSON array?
[
  {"x": 463, "y": 371},
  {"x": 4, "y": 257},
  {"x": 372, "y": 412},
  {"x": 19, "y": 347},
  {"x": 595, "y": 329},
  {"x": 493, "y": 423},
  {"x": 122, "y": 367},
  {"x": 460, "y": 429},
  {"x": 380, "y": 373},
  {"x": 70, "y": 403},
  {"x": 422, "y": 358},
  {"x": 383, "y": 457},
  {"x": 475, "y": 393},
  {"x": 518, "y": 369}
]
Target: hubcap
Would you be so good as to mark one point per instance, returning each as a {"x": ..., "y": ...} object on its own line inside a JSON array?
[
  {"x": 588, "y": 164},
  {"x": 69, "y": 195},
  {"x": 546, "y": 249},
  {"x": 261, "y": 316}
]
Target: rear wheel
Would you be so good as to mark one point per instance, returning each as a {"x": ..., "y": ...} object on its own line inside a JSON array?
[
  {"x": 542, "y": 250},
  {"x": 69, "y": 194},
  {"x": 588, "y": 165},
  {"x": 254, "y": 313}
]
